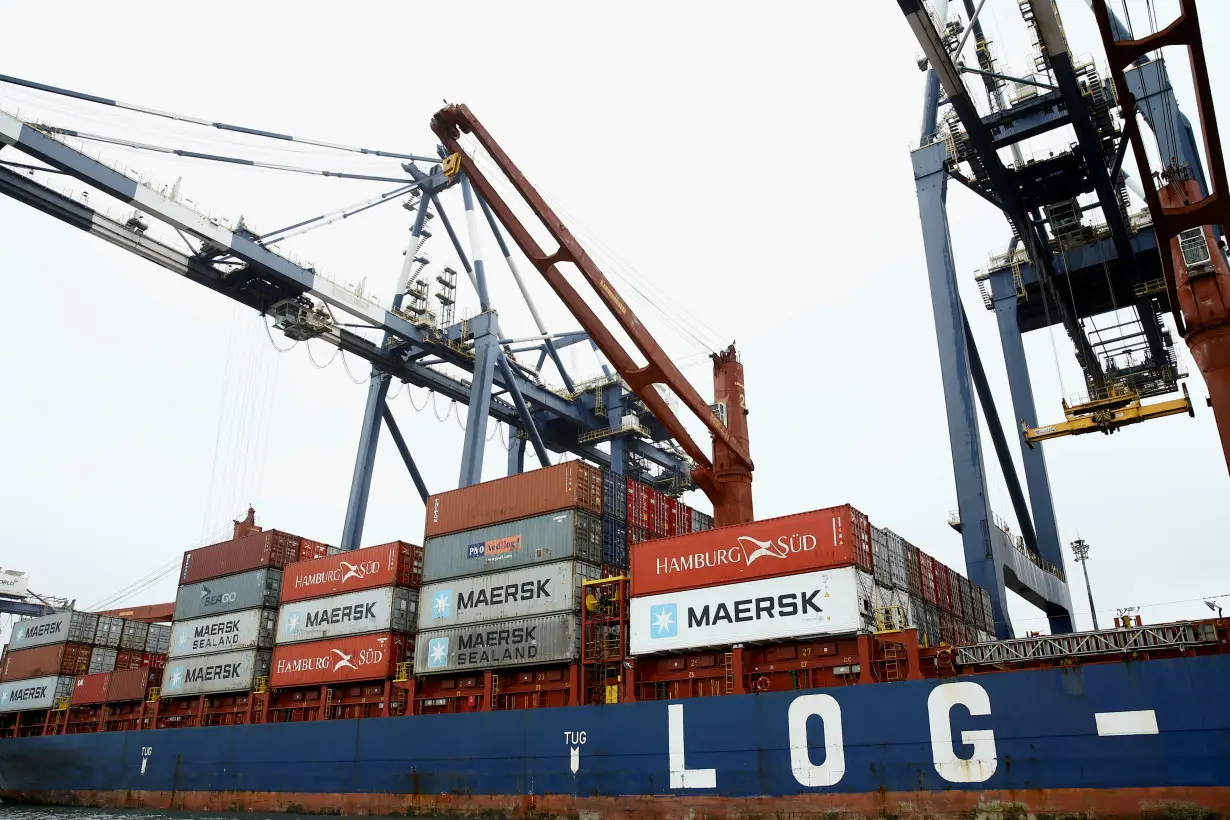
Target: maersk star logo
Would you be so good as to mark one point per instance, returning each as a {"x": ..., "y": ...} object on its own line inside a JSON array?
[
  {"x": 177, "y": 678},
  {"x": 183, "y": 640},
  {"x": 442, "y": 604},
  {"x": 437, "y": 653},
  {"x": 21, "y": 633},
  {"x": 292, "y": 623},
  {"x": 664, "y": 621},
  {"x": 4, "y": 696}
]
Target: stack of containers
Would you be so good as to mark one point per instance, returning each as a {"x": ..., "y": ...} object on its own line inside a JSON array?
[
  {"x": 614, "y": 524},
  {"x": 43, "y": 659},
  {"x": 502, "y": 570},
  {"x": 225, "y": 612},
  {"x": 348, "y": 617},
  {"x": 791, "y": 578}
]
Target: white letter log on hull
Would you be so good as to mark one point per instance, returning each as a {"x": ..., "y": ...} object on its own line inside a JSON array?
[
  {"x": 681, "y": 776},
  {"x": 982, "y": 764},
  {"x": 806, "y": 771}
]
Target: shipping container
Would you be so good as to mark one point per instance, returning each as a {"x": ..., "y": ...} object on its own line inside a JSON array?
[
  {"x": 939, "y": 576},
  {"x": 948, "y": 632},
  {"x": 701, "y": 521},
  {"x": 110, "y": 630},
  {"x": 339, "y": 660},
  {"x": 988, "y": 612},
  {"x": 912, "y": 575},
  {"x": 134, "y": 635},
  {"x": 538, "y": 540},
  {"x": 880, "y": 559},
  {"x": 572, "y": 484},
  {"x": 655, "y": 504},
  {"x": 972, "y": 612},
  {"x": 210, "y": 674},
  {"x": 248, "y": 629},
  {"x": 926, "y": 571},
  {"x": 247, "y": 590},
  {"x": 955, "y": 598},
  {"x": 828, "y": 602},
  {"x": 523, "y": 642},
  {"x": 159, "y": 639},
  {"x": 131, "y": 684},
  {"x": 614, "y": 543},
  {"x": 918, "y": 620},
  {"x": 310, "y": 550},
  {"x": 636, "y": 508},
  {"x": 896, "y": 558},
  {"x": 833, "y": 537},
  {"x": 270, "y": 549},
  {"x": 497, "y": 596},
  {"x": 332, "y": 550},
  {"x": 128, "y": 659},
  {"x": 394, "y": 564},
  {"x": 35, "y": 693},
  {"x": 61, "y": 627},
  {"x": 671, "y": 507},
  {"x": 90, "y": 689},
  {"x": 389, "y": 609},
  {"x": 614, "y": 496},
  {"x": 41, "y": 661},
  {"x": 892, "y": 608},
  {"x": 102, "y": 659},
  {"x": 637, "y": 535},
  {"x": 931, "y": 618},
  {"x": 154, "y": 660}
]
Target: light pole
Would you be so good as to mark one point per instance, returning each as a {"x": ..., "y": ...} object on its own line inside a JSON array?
[{"x": 1080, "y": 550}]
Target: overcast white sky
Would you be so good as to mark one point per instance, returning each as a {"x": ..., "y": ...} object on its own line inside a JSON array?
[{"x": 749, "y": 163}]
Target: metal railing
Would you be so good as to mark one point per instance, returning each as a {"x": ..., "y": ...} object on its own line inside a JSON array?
[{"x": 1089, "y": 644}]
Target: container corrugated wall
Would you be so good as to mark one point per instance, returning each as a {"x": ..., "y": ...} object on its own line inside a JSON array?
[
  {"x": 270, "y": 549},
  {"x": 538, "y": 540},
  {"x": 88, "y": 689},
  {"x": 62, "y": 627},
  {"x": 102, "y": 659},
  {"x": 391, "y": 609},
  {"x": 249, "y": 629},
  {"x": 210, "y": 674},
  {"x": 42, "y": 661},
  {"x": 247, "y": 590},
  {"x": 353, "y": 658},
  {"x": 394, "y": 564},
  {"x": 131, "y": 684},
  {"x": 110, "y": 630},
  {"x": 572, "y": 484},
  {"x": 159, "y": 639},
  {"x": 134, "y": 635},
  {"x": 521, "y": 642},
  {"x": 614, "y": 496},
  {"x": 494, "y": 596},
  {"x": 614, "y": 543},
  {"x": 35, "y": 693}
]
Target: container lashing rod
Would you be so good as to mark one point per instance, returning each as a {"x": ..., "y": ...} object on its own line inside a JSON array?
[{"x": 728, "y": 485}]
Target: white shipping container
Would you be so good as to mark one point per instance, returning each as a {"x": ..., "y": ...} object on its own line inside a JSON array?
[
  {"x": 385, "y": 609},
  {"x": 828, "y": 602},
  {"x": 540, "y": 589},
  {"x": 250, "y": 629},
  {"x": 35, "y": 693},
  {"x": 61, "y": 627},
  {"x": 208, "y": 674}
]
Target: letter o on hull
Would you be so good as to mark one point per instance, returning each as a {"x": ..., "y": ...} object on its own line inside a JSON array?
[
  {"x": 806, "y": 771},
  {"x": 979, "y": 767}
]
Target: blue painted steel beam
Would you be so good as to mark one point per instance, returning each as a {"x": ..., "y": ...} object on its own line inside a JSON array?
[
  {"x": 24, "y": 609},
  {"x": 406, "y": 457},
  {"x": 516, "y": 455}
]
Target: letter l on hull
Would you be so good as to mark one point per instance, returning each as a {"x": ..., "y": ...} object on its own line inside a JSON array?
[{"x": 681, "y": 776}]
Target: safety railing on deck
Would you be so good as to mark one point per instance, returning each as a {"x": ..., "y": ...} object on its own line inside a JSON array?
[{"x": 1085, "y": 644}]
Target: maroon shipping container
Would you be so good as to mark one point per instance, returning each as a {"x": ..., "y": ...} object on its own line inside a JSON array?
[
  {"x": 271, "y": 548},
  {"x": 153, "y": 660},
  {"x": 40, "y": 661},
  {"x": 91, "y": 689},
  {"x": 638, "y": 505},
  {"x": 948, "y": 627},
  {"x": 128, "y": 659},
  {"x": 672, "y": 517},
  {"x": 537, "y": 492},
  {"x": 309, "y": 550},
  {"x": 955, "y": 581},
  {"x": 943, "y": 586},
  {"x": 393, "y": 564},
  {"x": 926, "y": 572},
  {"x": 131, "y": 684}
]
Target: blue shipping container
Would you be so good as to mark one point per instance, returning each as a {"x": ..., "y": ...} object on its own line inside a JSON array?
[
  {"x": 614, "y": 497},
  {"x": 614, "y": 543}
]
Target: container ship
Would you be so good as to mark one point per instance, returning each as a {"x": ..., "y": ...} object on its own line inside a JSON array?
[{"x": 576, "y": 640}]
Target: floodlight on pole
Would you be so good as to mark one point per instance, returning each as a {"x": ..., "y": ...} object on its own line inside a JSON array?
[{"x": 1080, "y": 551}]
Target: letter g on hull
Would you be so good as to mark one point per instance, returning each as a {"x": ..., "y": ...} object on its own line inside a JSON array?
[{"x": 979, "y": 767}]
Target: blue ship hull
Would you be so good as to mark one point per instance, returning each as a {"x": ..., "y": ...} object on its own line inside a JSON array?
[{"x": 1115, "y": 739}]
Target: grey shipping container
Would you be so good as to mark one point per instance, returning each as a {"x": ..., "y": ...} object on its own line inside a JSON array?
[
  {"x": 34, "y": 693},
  {"x": 521, "y": 642},
  {"x": 896, "y": 558},
  {"x": 539, "y": 540},
  {"x": 383, "y": 609},
  {"x": 880, "y": 560},
  {"x": 516, "y": 593},
  {"x": 102, "y": 659},
  {"x": 109, "y": 631},
  {"x": 134, "y": 635},
  {"x": 60, "y": 627},
  {"x": 208, "y": 674},
  {"x": 247, "y": 590},
  {"x": 248, "y": 629},
  {"x": 159, "y": 639}
]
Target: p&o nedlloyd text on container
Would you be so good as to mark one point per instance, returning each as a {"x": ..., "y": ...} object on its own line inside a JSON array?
[
  {"x": 209, "y": 674},
  {"x": 247, "y": 590},
  {"x": 249, "y": 629},
  {"x": 829, "y": 538},
  {"x": 390, "y": 609},
  {"x": 353, "y": 658},
  {"x": 34, "y": 693},
  {"x": 394, "y": 564},
  {"x": 520, "y": 642},
  {"x": 544, "y": 538},
  {"x": 572, "y": 484},
  {"x": 493, "y": 596},
  {"x": 829, "y": 602},
  {"x": 62, "y": 627}
]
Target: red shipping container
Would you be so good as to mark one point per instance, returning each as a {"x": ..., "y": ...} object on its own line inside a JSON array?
[
  {"x": 271, "y": 548},
  {"x": 338, "y": 660},
  {"x": 40, "y": 661},
  {"x": 394, "y": 564},
  {"x": 939, "y": 574},
  {"x": 823, "y": 539},
  {"x": 537, "y": 492},
  {"x": 672, "y": 517},
  {"x": 153, "y": 660},
  {"x": 638, "y": 504},
  {"x": 955, "y": 580},
  {"x": 638, "y": 535},
  {"x": 308, "y": 550},
  {"x": 128, "y": 659},
  {"x": 91, "y": 689},
  {"x": 131, "y": 684},
  {"x": 926, "y": 572}
]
